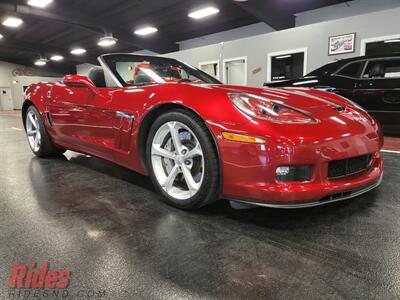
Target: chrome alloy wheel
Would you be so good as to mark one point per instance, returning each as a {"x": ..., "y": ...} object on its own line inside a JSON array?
[
  {"x": 177, "y": 159},
  {"x": 33, "y": 131}
]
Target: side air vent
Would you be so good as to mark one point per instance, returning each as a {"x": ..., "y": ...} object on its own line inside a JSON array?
[{"x": 49, "y": 118}]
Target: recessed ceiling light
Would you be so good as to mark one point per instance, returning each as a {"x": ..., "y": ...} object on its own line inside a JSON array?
[
  {"x": 205, "y": 12},
  {"x": 12, "y": 22},
  {"x": 39, "y": 3},
  {"x": 1, "y": 36},
  {"x": 56, "y": 58},
  {"x": 146, "y": 30},
  {"x": 107, "y": 41},
  {"x": 78, "y": 51},
  {"x": 40, "y": 62}
]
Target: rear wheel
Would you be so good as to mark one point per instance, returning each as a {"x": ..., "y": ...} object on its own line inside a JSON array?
[
  {"x": 182, "y": 160},
  {"x": 38, "y": 138}
]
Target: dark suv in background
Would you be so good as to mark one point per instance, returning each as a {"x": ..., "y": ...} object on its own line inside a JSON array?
[{"x": 372, "y": 82}]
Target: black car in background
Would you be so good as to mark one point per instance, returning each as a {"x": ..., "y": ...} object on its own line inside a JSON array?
[{"x": 372, "y": 82}]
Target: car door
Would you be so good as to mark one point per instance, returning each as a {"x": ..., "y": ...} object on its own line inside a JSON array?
[
  {"x": 378, "y": 91},
  {"x": 81, "y": 119}
]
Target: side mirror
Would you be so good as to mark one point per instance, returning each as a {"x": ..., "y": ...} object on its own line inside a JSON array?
[{"x": 80, "y": 81}]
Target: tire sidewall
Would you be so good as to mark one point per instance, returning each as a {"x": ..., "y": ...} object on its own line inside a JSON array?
[{"x": 204, "y": 140}]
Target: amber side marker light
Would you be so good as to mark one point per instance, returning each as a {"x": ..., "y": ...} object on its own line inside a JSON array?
[{"x": 242, "y": 138}]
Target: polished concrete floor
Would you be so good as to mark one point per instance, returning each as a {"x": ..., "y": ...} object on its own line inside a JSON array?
[{"x": 108, "y": 227}]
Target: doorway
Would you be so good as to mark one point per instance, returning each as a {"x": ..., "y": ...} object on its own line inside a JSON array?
[
  {"x": 235, "y": 71},
  {"x": 211, "y": 68},
  {"x": 6, "y": 102},
  {"x": 284, "y": 65}
]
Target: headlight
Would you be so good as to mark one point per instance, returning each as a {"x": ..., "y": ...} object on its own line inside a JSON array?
[{"x": 264, "y": 109}]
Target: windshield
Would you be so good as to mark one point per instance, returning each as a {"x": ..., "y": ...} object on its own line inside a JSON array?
[{"x": 136, "y": 70}]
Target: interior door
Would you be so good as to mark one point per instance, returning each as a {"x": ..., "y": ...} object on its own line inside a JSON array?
[
  {"x": 6, "y": 102},
  {"x": 235, "y": 72},
  {"x": 211, "y": 69},
  {"x": 379, "y": 92},
  {"x": 81, "y": 119}
]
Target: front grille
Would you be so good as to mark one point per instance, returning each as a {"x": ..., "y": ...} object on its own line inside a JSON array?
[{"x": 349, "y": 166}]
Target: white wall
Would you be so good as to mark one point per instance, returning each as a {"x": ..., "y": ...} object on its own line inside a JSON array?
[
  {"x": 21, "y": 81},
  {"x": 343, "y": 10},
  {"x": 224, "y": 36},
  {"x": 313, "y": 37},
  {"x": 7, "y": 77}
]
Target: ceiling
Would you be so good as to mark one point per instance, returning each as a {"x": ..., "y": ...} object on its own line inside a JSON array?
[{"x": 65, "y": 24}]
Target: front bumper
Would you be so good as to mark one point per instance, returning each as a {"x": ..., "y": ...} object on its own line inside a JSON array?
[
  {"x": 248, "y": 170},
  {"x": 326, "y": 200}
]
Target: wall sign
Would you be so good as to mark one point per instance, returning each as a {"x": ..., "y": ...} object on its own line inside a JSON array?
[
  {"x": 256, "y": 70},
  {"x": 340, "y": 44},
  {"x": 22, "y": 71}
]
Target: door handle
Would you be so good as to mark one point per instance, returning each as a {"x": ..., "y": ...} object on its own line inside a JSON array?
[{"x": 124, "y": 115}]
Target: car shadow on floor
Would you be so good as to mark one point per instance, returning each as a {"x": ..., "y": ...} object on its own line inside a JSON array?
[{"x": 259, "y": 216}]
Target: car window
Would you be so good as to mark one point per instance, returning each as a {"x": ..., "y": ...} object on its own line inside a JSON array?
[
  {"x": 352, "y": 70},
  {"x": 389, "y": 68}
]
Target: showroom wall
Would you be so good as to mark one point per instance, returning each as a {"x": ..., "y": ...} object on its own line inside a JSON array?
[
  {"x": 10, "y": 80},
  {"x": 313, "y": 37},
  {"x": 24, "y": 81}
]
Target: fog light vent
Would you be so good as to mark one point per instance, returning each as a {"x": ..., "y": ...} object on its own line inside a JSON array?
[{"x": 293, "y": 173}]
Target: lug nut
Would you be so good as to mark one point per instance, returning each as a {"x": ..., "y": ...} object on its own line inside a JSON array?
[
  {"x": 184, "y": 151},
  {"x": 187, "y": 162}
]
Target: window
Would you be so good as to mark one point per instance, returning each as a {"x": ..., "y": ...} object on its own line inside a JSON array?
[
  {"x": 389, "y": 68},
  {"x": 352, "y": 70},
  {"x": 288, "y": 66},
  {"x": 388, "y": 47}
]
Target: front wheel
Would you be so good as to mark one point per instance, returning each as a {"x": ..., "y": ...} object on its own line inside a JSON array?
[
  {"x": 182, "y": 160},
  {"x": 38, "y": 138}
]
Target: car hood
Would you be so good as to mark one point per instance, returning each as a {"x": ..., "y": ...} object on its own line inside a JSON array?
[
  {"x": 328, "y": 108},
  {"x": 336, "y": 116},
  {"x": 300, "y": 98}
]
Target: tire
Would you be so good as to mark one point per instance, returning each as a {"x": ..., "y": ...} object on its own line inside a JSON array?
[
  {"x": 38, "y": 138},
  {"x": 194, "y": 160}
]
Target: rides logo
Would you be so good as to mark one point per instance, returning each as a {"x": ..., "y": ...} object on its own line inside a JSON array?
[{"x": 29, "y": 276}]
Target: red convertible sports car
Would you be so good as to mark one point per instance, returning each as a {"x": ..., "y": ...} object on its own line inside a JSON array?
[{"x": 200, "y": 140}]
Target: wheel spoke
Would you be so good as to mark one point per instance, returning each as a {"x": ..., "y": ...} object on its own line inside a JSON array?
[
  {"x": 174, "y": 130},
  {"x": 158, "y": 151},
  {"x": 169, "y": 181},
  {"x": 192, "y": 185},
  {"x": 33, "y": 121},
  {"x": 36, "y": 143},
  {"x": 196, "y": 151},
  {"x": 31, "y": 132}
]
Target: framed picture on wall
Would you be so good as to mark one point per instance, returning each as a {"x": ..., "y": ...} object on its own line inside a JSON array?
[{"x": 340, "y": 44}]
